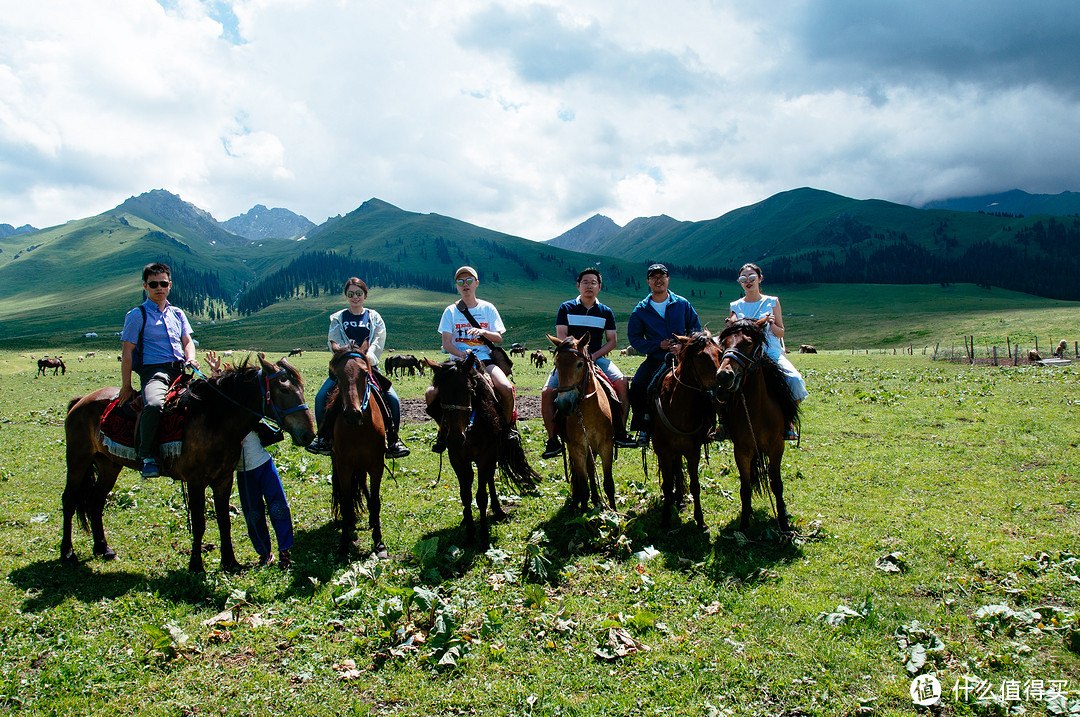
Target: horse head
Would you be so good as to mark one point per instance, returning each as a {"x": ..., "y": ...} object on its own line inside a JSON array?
[
  {"x": 458, "y": 382},
  {"x": 571, "y": 359},
  {"x": 283, "y": 391},
  {"x": 351, "y": 370},
  {"x": 743, "y": 345}
]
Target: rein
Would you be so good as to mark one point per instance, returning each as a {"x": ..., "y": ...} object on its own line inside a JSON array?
[{"x": 264, "y": 384}]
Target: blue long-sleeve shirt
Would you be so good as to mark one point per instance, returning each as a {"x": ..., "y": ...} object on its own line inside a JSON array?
[{"x": 647, "y": 328}]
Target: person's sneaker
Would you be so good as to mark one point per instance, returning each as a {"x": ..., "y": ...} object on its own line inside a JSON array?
[
  {"x": 265, "y": 560},
  {"x": 396, "y": 449},
  {"x": 552, "y": 448},
  {"x": 438, "y": 446},
  {"x": 285, "y": 560},
  {"x": 512, "y": 436},
  {"x": 719, "y": 434},
  {"x": 642, "y": 439},
  {"x": 320, "y": 446},
  {"x": 150, "y": 468},
  {"x": 790, "y": 434},
  {"x": 624, "y": 440}
]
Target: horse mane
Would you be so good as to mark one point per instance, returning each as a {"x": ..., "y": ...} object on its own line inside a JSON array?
[
  {"x": 202, "y": 396},
  {"x": 775, "y": 383}
]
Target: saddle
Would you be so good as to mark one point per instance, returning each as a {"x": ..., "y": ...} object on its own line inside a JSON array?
[{"x": 119, "y": 422}]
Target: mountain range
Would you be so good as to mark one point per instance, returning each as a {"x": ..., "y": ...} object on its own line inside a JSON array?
[{"x": 268, "y": 256}]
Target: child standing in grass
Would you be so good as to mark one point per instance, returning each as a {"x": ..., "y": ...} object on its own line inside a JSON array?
[{"x": 755, "y": 305}]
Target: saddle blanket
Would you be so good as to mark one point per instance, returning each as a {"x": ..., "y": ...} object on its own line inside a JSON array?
[{"x": 118, "y": 431}]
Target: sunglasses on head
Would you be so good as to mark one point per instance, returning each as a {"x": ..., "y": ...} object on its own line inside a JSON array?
[
  {"x": 747, "y": 279},
  {"x": 156, "y": 284},
  {"x": 465, "y": 281},
  {"x": 355, "y": 294}
]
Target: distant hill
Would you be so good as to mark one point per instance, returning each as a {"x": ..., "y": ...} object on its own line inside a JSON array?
[
  {"x": 809, "y": 235},
  {"x": 588, "y": 235},
  {"x": 1015, "y": 202},
  {"x": 262, "y": 223},
  {"x": 173, "y": 214},
  {"x": 6, "y": 230}
]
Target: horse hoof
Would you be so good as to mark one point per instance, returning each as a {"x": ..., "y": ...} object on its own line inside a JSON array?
[
  {"x": 380, "y": 552},
  {"x": 499, "y": 517},
  {"x": 105, "y": 553},
  {"x": 70, "y": 559}
]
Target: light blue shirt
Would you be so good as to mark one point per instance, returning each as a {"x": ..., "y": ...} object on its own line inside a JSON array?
[{"x": 161, "y": 334}]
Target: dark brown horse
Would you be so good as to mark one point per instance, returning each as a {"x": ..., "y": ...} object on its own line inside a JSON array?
[
  {"x": 220, "y": 412},
  {"x": 358, "y": 446},
  {"x": 56, "y": 364},
  {"x": 758, "y": 407},
  {"x": 683, "y": 413},
  {"x": 471, "y": 424},
  {"x": 590, "y": 431}
]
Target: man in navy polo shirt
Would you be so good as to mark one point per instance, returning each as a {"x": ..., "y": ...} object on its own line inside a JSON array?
[
  {"x": 157, "y": 344},
  {"x": 578, "y": 317}
]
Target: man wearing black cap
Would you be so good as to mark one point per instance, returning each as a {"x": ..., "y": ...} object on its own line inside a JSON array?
[{"x": 656, "y": 320}]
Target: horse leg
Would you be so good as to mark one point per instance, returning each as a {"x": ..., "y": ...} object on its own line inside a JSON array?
[
  {"x": 485, "y": 477},
  {"x": 375, "y": 511},
  {"x": 579, "y": 475},
  {"x": 497, "y": 512},
  {"x": 776, "y": 482},
  {"x": 668, "y": 477},
  {"x": 464, "y": 471},
  {"x": 197, "y": 511},
  {"x": 746, "y": 486},
  {"x": 606, "y": 456},
  {"x": 692, "y": 462},
  {"x": 95, "y": 506},
  {"x": 80, "y": 479},
  {"x": 222, "y": 489}
]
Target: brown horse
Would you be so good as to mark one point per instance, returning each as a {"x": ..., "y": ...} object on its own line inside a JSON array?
[
  {"x": 471, "y": 423},
  {"x": 358, "y": 446},
  {"x": 56, "y": 364},
  {"x": 220, "y": 412},
  {"x": 758, "y": 407},
  {"x": 590, "y": 430},
  {"x": 538, "y": 358},
  {"x": 684, "y": 409}
]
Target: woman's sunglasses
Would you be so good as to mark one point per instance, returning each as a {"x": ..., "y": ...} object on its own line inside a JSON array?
[
  {"x": 156, "y": 284},
  {"x": 747, "y": 279},
  {"x": 355, "y": 294}
]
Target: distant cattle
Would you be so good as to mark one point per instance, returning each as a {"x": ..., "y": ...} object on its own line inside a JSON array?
[
  {"x": 56, "y": 364},
  {"x": 226, "y": 353},
  {"x": 538, "y": 358},
  {"x": 402, "y": 363},
  {"x": 629, "y": 351},
  {"x": 517, "y": 349},
  {"x": 297, "y": 352},
  {"x": 1033, "y": 356},
  {"x": 91, "y": 354},
  {"x": 807, "y": 349},
  {"x": 1059, "y": 352}
]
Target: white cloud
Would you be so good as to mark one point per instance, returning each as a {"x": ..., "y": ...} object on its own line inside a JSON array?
[{"x": 528, "y": 117}]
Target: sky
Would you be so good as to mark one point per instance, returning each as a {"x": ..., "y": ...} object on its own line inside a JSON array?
[{"x": 530, "y": 117}]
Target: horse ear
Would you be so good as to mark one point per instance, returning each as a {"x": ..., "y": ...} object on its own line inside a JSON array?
[
  {"x": 335, "y": 346},
  {"x": 267, "y": 366},
  {"x": 364, "y": 347},
  {"x": 553, "y": 340},
  {"x": 760, "y": 323},
  {"x": 682, "y": 339},
  {"x": 470, "y": 362},
  {"x": 582, "y": 343}
]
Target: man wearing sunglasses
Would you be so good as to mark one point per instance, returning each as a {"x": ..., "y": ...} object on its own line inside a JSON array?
[{"x": 157, "y": 344}]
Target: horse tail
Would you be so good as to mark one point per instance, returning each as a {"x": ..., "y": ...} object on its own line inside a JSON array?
[
  {"x": 515, "y": 468},
  {"x": 82, "y": 494},
  {"x": 759, "y": 472}
]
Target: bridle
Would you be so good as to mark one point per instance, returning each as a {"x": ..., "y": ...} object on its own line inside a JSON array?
[
  {"x": 747, "y": 364},
  {"x": 578, "y": 386},
  {"x": 367, "y": 376},
  {"x": 278, "y": 413}
]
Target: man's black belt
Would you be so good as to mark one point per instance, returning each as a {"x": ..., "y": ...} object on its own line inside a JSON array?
[{"x": 171, "y": 366}]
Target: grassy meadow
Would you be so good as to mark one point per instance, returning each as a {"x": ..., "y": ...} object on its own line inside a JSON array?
[{"x": 937, "y": 513}]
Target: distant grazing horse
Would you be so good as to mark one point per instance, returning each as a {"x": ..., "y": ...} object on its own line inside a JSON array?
[
  {"x": 471, "y": 424},
  {"x": 538, "y": 358},
  {"x": 517, "y": 349},
  {"x": 585, "y": 404},
  {"x": 402, "y": 363},
  {"x": 358, "y": 446},
  {"x": 807, "y": 349},
  {"x": 296, "y": 352},
  {"x": 56, "y": 364},
  {"x": 758, "y": 409},
  {"x": 220, "y": 412},
  {"x": 684, "y": 409}
]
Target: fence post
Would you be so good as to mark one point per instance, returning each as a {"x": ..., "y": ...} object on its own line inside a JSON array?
[{"x": 995, "y": 355}]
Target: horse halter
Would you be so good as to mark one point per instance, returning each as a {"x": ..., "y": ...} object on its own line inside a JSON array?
[
  {"x": 279, "y": 414},
  {"x": 746, "y": 363},
  {"x": 367, "y": 376},
  {"x": 580, "y": 385}
]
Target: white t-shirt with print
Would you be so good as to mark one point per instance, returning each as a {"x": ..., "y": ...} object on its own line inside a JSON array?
[{"x": 454, "y": 323}]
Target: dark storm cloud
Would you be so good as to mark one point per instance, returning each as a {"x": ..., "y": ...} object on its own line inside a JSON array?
[
  {"x": 996, "y": 43},
  {"x": 542, "y": 49}
]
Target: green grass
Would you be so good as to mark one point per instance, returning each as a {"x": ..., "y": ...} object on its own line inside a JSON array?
[{"x": 969, "y": 474}]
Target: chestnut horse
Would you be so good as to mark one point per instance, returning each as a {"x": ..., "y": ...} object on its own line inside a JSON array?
[
  {"x": 683, "y": 414},
  {"x": 590, "y": 431},
  {"x": 220, "y": 412},
  {"x": 358, "y": 445},
  {"x": 758, "y": 408},
  {"x": 471, "y": 424}
]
